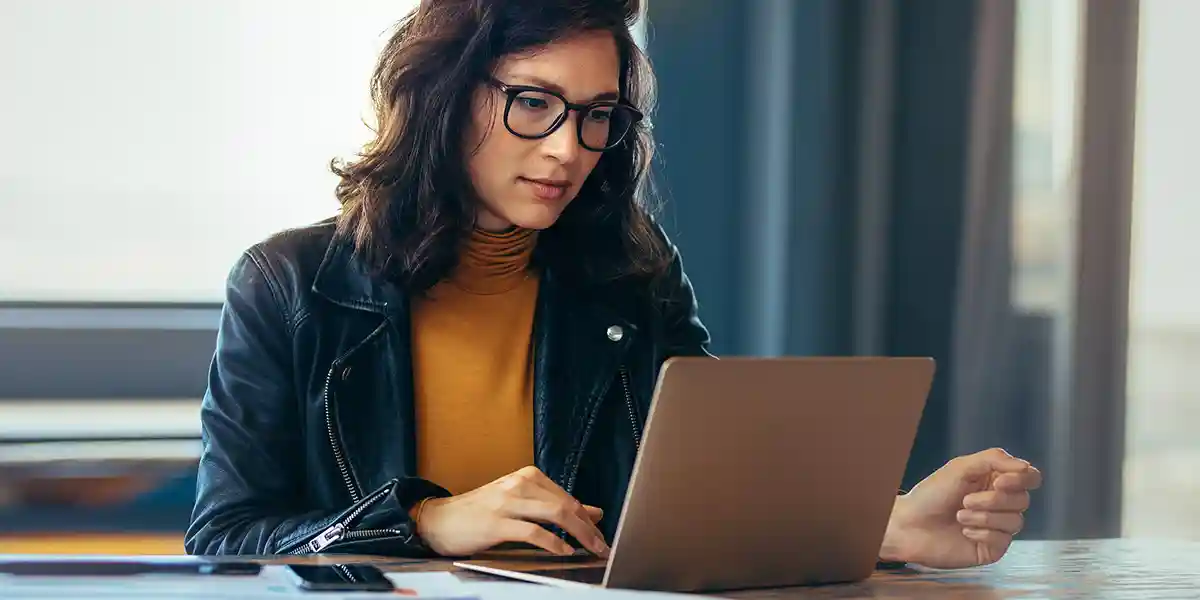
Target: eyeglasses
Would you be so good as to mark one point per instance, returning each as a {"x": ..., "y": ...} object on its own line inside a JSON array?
[{"x": 533, "y": 113}]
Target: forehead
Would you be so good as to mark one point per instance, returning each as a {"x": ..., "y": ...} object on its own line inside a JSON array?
[{"x": 583, "y": 65}]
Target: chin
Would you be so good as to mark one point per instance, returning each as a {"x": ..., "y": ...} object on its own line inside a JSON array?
[{"x": 536, "y": 217}]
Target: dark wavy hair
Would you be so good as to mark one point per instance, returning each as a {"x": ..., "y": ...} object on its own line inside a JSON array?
[{"x": 407, "y": 200}]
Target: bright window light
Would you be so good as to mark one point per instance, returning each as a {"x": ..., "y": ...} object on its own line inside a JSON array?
[{"x": 144, "y": 144}]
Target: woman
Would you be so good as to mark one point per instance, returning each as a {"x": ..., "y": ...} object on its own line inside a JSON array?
[{"x": 464, "y": 357}]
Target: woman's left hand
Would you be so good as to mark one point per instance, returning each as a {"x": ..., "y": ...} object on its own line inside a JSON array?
[{"x": 965, "y": 514}]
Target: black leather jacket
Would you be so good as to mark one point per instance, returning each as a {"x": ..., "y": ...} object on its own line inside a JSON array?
[{"x": 307, "y": 424}]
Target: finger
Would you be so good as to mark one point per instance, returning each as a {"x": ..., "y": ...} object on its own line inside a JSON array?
[
  {"x": 529, "y": 481},
  {"x": 993, "y": 544},
  {"x": 566, "y": 516},
  {"x": 537, "y": 486},
  {"x": 994, "y": 460},
  {"x": 512, "y": 530},
  {"x": 1007, "y": 522},
  {"x": 997, "y": 501},
  {"x": 535, "y": 476},
  {"x": 1029, "y": 479},
  {"x": 594, "y": 513}
]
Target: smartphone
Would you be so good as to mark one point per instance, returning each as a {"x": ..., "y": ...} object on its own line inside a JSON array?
[{"x": 340, "y": 578}]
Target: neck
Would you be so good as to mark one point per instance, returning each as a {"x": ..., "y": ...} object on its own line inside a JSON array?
[{"x": 492, "y": 262}]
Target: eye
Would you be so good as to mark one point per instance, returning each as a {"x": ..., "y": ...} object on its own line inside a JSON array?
[
  {"x": 532, "y": 102},
  {"x": 600, "y": 115}
]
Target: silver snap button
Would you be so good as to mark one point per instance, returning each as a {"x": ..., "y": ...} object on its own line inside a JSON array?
[{"x": 615, "y": 333}]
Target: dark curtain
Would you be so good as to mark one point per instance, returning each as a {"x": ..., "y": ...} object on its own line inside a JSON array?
[
  {"x": 815, "y": 160},
  {"x": 840, "y": 179}
]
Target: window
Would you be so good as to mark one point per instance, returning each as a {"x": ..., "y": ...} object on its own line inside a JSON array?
[
  {"x": 1162, "y": 449},
  {"x": 1044, "y": 169},
  {"x": 150, "y": 142},
  {"x": 1045, "y": 213}
]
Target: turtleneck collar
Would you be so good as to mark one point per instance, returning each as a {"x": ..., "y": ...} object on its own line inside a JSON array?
[{"x": 494, "y": 262}]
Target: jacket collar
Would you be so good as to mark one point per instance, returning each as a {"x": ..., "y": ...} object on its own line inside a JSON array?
[{"x": 345, "y": 280}]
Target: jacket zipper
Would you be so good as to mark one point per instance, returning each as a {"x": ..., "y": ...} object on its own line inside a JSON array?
[
  {"x": 338, "y": 455},
  {"x": 587, "y": 429},
  {"x": 637, "y": 434},
  {"x": 337, "y": 532}
]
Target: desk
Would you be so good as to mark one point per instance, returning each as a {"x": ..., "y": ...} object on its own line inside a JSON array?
[
  {"x": 1082, "y": 569},
  {"x": 1093, "y": 570}
]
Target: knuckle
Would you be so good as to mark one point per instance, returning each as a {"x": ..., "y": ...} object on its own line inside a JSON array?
[
  {"x": 524, "y": 477},
  {"x": 539, "y": 534},
  {"x": 527, "y": 531},
  {"x": 1023, "y": 501},
  {"x": 542, "y": 538},
  {"x": 563, "y": 512}
]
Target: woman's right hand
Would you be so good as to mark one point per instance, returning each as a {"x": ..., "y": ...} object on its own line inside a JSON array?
[{"x": 510, "y": 509}]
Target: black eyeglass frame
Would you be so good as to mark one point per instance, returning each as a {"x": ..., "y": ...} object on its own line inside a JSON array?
[{"x": 511, "y": 91}]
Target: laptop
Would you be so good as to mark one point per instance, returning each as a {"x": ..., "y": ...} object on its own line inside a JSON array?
[{"x": 754, "y": 473}]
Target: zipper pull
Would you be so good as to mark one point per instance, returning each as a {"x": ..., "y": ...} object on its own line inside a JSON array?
[{"x": 327, "y": 538}]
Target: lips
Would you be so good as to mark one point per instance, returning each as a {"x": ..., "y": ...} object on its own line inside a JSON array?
[{"x": 547, "y": 189}]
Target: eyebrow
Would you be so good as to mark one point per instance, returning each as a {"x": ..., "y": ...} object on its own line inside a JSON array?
[{"x": 550, "y": 85}]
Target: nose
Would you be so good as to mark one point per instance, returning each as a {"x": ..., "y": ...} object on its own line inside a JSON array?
[{"x": 563, "y": 144}]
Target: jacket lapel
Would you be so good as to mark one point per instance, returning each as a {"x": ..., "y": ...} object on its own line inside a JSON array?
[
  {"x": 579, "y": 344},
  {"x": 378, "y": 352}
]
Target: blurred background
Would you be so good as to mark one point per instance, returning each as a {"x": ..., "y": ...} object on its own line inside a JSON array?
[{"x": 1005, "y": 185}]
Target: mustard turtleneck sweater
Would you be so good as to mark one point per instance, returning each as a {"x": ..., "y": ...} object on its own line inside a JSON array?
[{"x": 472, "y": 367}]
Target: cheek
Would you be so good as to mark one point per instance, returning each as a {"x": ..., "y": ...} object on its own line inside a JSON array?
[
  {"x": 484, "y": 143},
  {"x": 494, "y": 160},
  {"x": 494, "y": 168},
  {"x": 588, "y": 164}
]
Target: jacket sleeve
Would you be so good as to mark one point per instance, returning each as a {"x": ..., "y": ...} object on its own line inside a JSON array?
[{"x": 250, "y": 480}]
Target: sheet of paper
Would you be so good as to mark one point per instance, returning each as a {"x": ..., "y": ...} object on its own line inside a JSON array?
[
  {"x": 436, "y": 585},
  {"x": 533, "y": 591}
]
